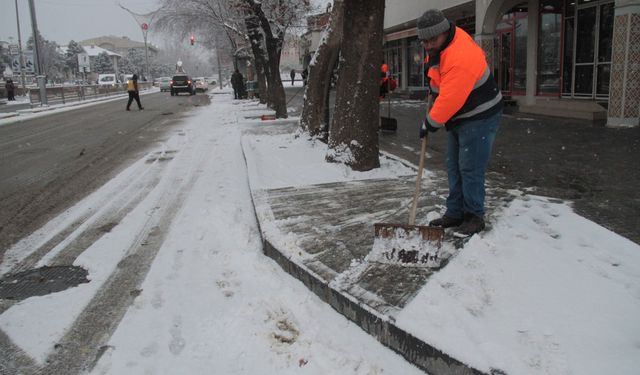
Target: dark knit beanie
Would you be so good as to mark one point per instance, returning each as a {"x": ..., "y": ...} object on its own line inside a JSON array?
[{"x": 431, "y": 24}]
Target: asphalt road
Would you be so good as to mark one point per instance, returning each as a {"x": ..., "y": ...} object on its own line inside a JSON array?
[{"x": 50, "y": 163}]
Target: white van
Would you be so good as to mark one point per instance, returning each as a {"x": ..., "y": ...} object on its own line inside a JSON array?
[{"x": 107, "y": 79}]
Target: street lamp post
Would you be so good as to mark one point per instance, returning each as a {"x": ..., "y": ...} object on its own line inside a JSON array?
[
  {"x": 36, "y": 50},
  {"x": 145, "y": 27},
  {"x": 21, "y": 55}
]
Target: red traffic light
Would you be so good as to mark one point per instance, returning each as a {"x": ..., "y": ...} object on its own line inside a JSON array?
[{"x": 193, "y": 40}]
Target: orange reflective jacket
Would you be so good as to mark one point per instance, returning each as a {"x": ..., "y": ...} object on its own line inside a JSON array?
[
  {"x": 131, "y": 85},
  {"x": 461, "y": 82}
]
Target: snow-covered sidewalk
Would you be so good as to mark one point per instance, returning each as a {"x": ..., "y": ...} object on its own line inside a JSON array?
[
  {"x": 210, "y": 302},
  {"x": 544, "y": 291}
]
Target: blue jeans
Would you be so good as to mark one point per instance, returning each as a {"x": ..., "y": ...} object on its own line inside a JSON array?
[{"x": 468, "y": 151}]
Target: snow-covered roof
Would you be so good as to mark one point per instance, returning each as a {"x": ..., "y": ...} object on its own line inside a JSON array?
[
  {"x": 118, "y": 42},
  {"x": 95, "y": 51}
]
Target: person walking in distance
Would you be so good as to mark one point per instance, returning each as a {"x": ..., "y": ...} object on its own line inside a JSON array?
[
  {"x": 236, "y": 82},
  {"x": 293, "y": 76},
  {"x": 10, "y": 87},
  {"x": 467, "y": 102},
  {"x": 132, "y": 89}
]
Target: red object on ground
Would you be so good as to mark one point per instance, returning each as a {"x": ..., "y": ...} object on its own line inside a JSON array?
[{"x": 267, "y": 117}]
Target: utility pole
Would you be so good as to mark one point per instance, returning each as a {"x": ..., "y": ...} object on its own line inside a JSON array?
[
  {"x": 36, "y": 51},
  {"x": 36, "y": 39},
  {"x": 20, "y": 50}
]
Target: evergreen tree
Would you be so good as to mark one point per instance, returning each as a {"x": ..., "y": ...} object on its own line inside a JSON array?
[
  {"x": 71, "y": 57},
  {"x": 103, "y": 64},
  {"x": 133, "y": 62}
]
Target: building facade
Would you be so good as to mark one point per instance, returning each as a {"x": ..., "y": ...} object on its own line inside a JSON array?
[
  {"x": 290, "y": 56},
  {"x": 544, "y": 53},
  {"x": 91, "y": 53},
  {"x": 310, "y": 40}
]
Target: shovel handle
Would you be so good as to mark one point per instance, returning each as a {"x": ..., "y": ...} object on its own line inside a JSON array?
[{"x": 423, "y": 151}]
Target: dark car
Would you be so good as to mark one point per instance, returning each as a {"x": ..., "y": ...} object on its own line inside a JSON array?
[{"x": 182, "y": 83}]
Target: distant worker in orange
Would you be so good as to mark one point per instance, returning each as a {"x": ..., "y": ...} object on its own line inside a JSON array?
[
  {"x": 468, "y": 104},
  {"x": 387, "y": 84},
  {"x": 134, "y": 93}
]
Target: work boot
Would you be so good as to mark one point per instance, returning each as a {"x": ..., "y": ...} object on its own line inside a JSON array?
[
  {"x": 471, "y": 225},
  {"x": 445, "y": 222}
]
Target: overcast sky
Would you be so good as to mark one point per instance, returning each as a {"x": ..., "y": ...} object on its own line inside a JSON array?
[{"x": 64, "y": 20}]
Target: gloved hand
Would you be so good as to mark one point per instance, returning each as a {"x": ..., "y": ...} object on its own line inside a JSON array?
[{"x": 427, "y": 127}]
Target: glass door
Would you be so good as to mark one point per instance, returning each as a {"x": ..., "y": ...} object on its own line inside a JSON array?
[
  {"x": 585, "y": 52},
  {"x": 510, "y": 50},
  {"x": 605, "y": 46},
  {"x": 593, "y": 47}
]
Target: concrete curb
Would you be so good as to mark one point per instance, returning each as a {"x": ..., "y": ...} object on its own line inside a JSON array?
[{"x": 8, "y": 115}]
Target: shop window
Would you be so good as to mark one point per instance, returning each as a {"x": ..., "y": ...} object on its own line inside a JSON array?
[
  {"x": 605, "y": 42},
  {"x": 520, "y": 57},
  {"x": 586, "y": 34},
  {"x": 604, "y": 74},
  {"x": 549, "y": 47},
  {"x": 415, "y": 62},
  {"x": 393, "y": 58},
  {"x": 511, "y": 51},
  {"x": 584, "y": 80},
  {"x": 569, "y": 8},
  {"x": 567, "y": 58}
]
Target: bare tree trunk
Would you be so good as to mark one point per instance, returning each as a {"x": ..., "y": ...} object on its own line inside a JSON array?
[
  {"x": 316, "y": 103},
  {"x": 274, "y": 82},
  {"x": 256, "y": 40},
  {"x": 353, "y": 137},
  {"x": 277, "y": 99}
]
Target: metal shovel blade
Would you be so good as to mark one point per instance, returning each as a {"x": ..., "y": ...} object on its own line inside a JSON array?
[
  {"x": 407, "y": 245},
  {"x": 427, "y": 233}
]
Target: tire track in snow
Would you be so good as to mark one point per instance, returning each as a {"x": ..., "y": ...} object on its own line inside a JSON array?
[
  {"x": 85, "y": 342},
  {"x": 118, "y": 203}
]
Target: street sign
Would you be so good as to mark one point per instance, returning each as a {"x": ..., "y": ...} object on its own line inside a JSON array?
[
  {"x": 83, "y": 63},
  {"x": 13, "y": 49},
  {"x": 15, "y": 63},
  {"x": 29, "y": 65},
  {"x": 28, "y": 62}
]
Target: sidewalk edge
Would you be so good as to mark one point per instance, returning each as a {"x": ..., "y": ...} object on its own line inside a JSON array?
[{"x": 414, "y": 350}]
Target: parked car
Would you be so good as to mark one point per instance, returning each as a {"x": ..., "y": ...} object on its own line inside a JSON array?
[
  {"x": 212, "y": 81},
  {"x": 182, "y": 83},
  {"x": 107, "y": 79},
  {"x": 164, "y": 83},
  {"x": 201, "y": 84}
]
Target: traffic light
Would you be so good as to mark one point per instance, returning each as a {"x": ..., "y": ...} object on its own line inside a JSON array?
[{"x": 192, "y": 40}]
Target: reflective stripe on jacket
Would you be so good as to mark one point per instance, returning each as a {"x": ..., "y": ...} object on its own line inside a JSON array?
[
  {"x": 131, "y": 85},
  {"x": 461, "y": 82}
]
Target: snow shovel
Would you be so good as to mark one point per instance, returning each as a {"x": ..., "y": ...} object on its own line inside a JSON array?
[
  {"x": 416, "y": 243},
  {"x": 388, "y": 123}
]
